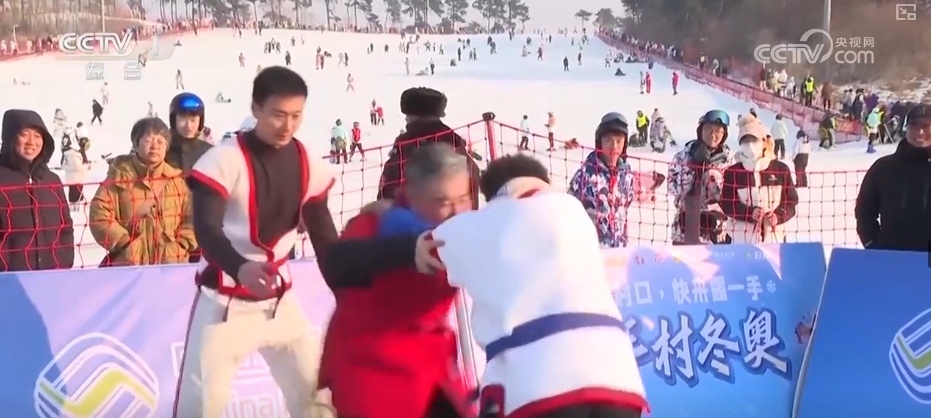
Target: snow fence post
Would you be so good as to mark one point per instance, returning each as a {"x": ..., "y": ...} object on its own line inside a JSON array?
[{"x": 489, "y": 119}]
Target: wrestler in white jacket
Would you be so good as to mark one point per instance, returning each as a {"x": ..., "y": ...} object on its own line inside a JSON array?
[{"x": 543, "y": 310}]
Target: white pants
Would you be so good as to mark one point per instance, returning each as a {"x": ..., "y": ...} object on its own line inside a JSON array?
[{"x": 215, "y": 349}]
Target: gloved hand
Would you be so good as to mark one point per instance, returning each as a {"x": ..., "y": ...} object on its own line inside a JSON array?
[{"x": 701, "y": 154}]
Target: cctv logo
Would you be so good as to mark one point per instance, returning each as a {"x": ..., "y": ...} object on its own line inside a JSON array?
[
  {"x": 96, "y": 376},
  {"x": 910, "y": 357}
]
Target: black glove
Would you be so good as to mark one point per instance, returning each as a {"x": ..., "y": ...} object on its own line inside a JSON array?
[{"x": 701, "y": 154}]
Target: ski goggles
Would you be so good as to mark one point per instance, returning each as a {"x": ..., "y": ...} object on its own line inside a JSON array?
[
  {"x": 716, "y": 116},
  {"x": 190, "y": 104}
]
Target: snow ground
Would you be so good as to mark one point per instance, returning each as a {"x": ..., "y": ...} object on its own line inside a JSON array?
[{"x": 505, "y": 84}]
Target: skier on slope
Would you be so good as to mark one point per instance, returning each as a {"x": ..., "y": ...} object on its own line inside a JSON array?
[
  {"x": 659, "y": 133},
  {"x": 695, "y": 181}
]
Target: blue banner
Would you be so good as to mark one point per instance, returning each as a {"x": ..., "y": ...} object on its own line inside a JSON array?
[
  {"x": 871, "y": 353},
  {"x": 108, "y": 343},
  {"x": 719, "y": 331}
]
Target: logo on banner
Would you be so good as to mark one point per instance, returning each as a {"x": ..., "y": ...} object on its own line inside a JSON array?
[
  {"x": 96, "y": 376},
  {"x": 910, "y": 356}
]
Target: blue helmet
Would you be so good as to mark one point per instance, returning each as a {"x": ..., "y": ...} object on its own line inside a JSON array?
[{"x": 186, "y": 104}]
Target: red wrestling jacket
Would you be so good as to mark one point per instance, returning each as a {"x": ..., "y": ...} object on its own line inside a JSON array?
[{"x": 390, "y": 347}]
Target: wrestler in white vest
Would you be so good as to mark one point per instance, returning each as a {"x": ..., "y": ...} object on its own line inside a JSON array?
[
  {"x": 228, "y": 170},
  {"x": 542, "y": 304}
]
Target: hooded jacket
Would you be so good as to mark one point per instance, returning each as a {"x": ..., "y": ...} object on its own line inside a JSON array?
[
  {"x": 605, "y": 193},
  {"x": 896, "y": 190},
  {"x": 36, "y": 230},
  {"x": 764, "y": 184},
  {"x": 415, "y": 134}
]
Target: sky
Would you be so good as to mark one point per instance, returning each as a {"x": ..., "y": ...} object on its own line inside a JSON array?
[{"x": 547, "y": 14}]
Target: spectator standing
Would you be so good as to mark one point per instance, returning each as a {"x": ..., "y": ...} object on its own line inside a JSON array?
[
  {"x": 75, "y": 171},
  {"x": 550, "y": 126},
  {"x": 780, "y": 132},
  {"x": 800, "y": 158},
  {"x": 423, "y": 109},
  {"x": 893, "y": 207},
  {"x": 604, "y": 182},
  {"x": 524, "y": 134},
  {"x": 36, "y": 228},
  {"x": 186, "y": 114},
  {"x": 142, "y": 213},
  {"x": 758, "y": 195},
  {"x": 695, "y": 176}
]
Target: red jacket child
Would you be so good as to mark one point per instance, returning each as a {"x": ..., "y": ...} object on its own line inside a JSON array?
[
  {"x": 356, "y": 133},
  {"x": 649, "y": 82},
  {"x": 389, "y": 351}
]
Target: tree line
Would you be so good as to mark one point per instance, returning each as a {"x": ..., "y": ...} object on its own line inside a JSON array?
[
  {"x": 734, "y": 28},
  {"x": 30, "y": 16}
]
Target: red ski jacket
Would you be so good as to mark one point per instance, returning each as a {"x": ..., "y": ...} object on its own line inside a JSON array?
[{"x": 389, "y": 347}]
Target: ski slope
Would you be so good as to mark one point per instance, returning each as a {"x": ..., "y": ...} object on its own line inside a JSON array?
[{"x": 506, "y": 84}]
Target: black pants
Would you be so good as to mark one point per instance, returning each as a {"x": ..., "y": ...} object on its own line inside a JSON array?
[
  {"x": 75, "y": 193},
  {"x": 373, "y": 117},
  {"x": 524, "y": 142},
  {"x": 801, "y": 164},
  {"x": 356, "y": 146},
  {"x": 96, "y": 118},
  {"x": 779, "y": 148}
]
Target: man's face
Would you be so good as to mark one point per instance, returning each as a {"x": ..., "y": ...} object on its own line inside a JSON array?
[
  {"x": 712, "y": 134},
  {"x": 188, "y": 126},
  {"x": 612, "y": 143},
  {"x": 278, "y": 118},
  {"x": 29, "y": 144},
  {"x": 918, "y": 133},
  {"x": 441, "y": 199}
]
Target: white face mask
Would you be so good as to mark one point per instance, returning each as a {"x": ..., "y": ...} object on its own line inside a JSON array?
[{"x": 752, "y": 149}]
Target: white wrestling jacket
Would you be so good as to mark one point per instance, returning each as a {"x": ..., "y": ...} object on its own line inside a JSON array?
[
  {"x": 227, "y": 169},
  {"x": 532, "y": 265}
]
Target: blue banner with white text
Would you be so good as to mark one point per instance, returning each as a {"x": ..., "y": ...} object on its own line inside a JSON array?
[
  {"x": 871, "y": 353},
  {"x": 719, "y": 331}
]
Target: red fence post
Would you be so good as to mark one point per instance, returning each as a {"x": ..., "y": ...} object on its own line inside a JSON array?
[{"x": 489, "y": 118}]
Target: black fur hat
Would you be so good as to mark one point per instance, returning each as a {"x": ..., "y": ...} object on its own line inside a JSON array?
[{"x": 423, "y": 101}]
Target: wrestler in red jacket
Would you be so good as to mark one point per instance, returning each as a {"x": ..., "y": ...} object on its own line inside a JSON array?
[{"x": 390, "y": 351}]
